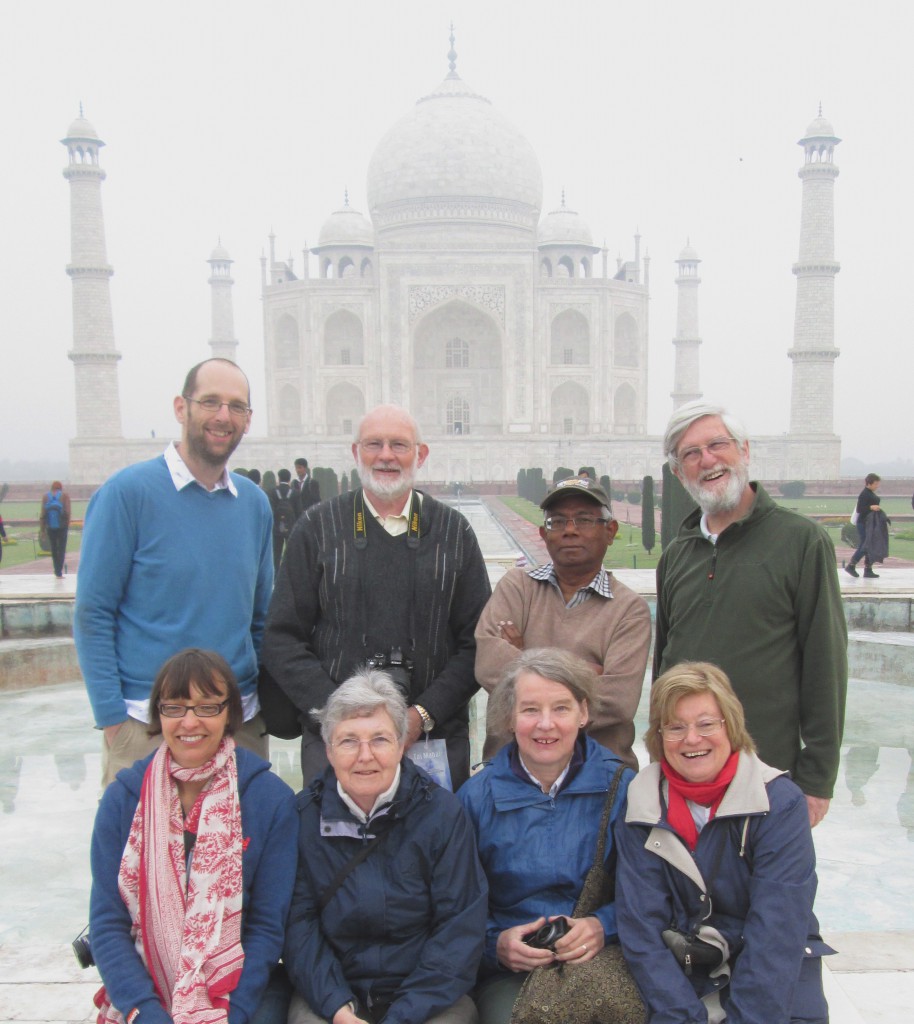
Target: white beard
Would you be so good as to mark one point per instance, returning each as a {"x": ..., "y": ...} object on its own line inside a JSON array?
[
  {"x": 380, "y": 485},
  {"x": 713, "y": 501}
]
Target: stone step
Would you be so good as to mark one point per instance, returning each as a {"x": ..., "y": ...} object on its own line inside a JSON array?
[
  {"x": 37, "y": 662},
  {"x": 885, "y": 657}
]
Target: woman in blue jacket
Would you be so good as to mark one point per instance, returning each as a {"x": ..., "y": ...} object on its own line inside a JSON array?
[
  {"x": 717, "y": 871},
  {"x": 536, "y": 810},
  {"x": 389, "y": 909},
  {"x": 193, "y": 862}
]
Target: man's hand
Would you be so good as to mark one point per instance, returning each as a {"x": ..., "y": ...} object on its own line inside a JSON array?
[
  {"x": 512, "y": 634},
  {"x": 817, "y": 807},
  {"x": 111, "y": 731},
  {"x": 413, "y": 726}
]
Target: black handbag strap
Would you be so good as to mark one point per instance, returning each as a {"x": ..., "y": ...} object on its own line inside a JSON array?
[
  {"x": 346, "y": 870},
  {"x": 594, "y": 875}
]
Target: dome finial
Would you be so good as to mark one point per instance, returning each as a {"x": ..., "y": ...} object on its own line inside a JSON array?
[
  {"x": 346, "y": 198},
  {"x": 452, "y": 56},
  {"x": 820, "y": 108},
  {"x": 80, "y": 108},
  {"x": 563, "y": 198}
]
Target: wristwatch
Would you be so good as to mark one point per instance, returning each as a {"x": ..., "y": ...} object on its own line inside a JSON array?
[{"x": 428, "y": 723}]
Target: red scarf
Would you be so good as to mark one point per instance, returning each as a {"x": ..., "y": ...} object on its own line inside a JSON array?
[
  {"x": 186, "y": 925},
  {"x": 708, "y": 794}
]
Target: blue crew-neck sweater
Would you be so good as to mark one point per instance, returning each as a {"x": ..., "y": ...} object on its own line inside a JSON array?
[{"x": 162, "y": 569}]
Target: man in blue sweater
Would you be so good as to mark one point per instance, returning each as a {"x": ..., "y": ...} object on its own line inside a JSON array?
[{"x": 176, "y": 552}]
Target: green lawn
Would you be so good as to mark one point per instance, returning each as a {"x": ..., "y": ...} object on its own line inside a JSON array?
[{"x": 840, "y": 506}]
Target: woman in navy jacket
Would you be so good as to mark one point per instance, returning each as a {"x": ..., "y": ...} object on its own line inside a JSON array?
[
  {"x": 193, "y": 862},
  {"x": 388, "y": 914},
  {"x": 708, "y": 803},
  {"x": 536, "y": 810}
]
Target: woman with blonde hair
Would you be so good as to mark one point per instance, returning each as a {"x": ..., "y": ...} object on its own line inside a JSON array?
[{"x": 717, "y": 870}]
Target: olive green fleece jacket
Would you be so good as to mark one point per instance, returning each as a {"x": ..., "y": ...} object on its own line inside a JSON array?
[{"x": 764, "y": 604}]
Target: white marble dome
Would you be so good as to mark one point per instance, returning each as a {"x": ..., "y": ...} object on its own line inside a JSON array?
[
  {"x": 820, "y": 128},
  {"x": 220, "y": 254},
  {"x": 346, "y": 227},
  {"x": 83, "y": 130},
  {"x": 564, "y": 227},
  {"x": 688, "y": 253},
  {"x": 455, "y": 156}
]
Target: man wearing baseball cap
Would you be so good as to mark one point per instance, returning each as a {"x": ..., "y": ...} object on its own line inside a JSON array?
[{"x": 573, "y": 603}]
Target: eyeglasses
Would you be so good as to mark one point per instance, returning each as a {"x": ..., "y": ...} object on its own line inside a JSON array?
[
  {"x": 716, "y": 447},
  {"x": 706, "y": 727},
  {"x": 214, "y": 405},
  {"x": 200, "y": 710},
  {"x": 376, "y": 445},
  {"x": 379, "y": 745},
  {"x": 557, "y": 524}
]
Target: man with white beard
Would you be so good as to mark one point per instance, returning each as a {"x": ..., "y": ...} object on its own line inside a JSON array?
[
  {"x": 753, "y": 588},
  {"x": 384, "y": 573}
]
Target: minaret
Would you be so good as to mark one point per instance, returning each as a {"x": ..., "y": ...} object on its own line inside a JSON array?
[
  {"x": 223, "y": 343},
  {"x": 814, "y": 352},
  {"x": 94, "y": 357},
  {"x": 687, "y": 341}
]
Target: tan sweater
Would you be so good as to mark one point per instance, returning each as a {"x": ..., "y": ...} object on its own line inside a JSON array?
[{"x": 615, "y": 633}]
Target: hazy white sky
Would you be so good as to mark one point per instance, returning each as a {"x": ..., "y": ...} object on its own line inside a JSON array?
[{"x": 679, "y": 120}]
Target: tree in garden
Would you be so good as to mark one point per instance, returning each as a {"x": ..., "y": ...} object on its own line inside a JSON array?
[{"x": 648, "y": 531}]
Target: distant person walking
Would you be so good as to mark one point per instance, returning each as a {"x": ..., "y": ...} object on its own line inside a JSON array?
[
  {"x": 868, "y": 501},
  {"x": 2, "y": 537},
  {"x": 305, "y": 489},
  {"x": 55, "y": 520},
  {"x": 282, "y": 502}
]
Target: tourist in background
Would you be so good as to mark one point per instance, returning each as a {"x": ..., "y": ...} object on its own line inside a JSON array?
[
  {"x": 868, "y": 501},
  {"x": 54, "y": 520}
]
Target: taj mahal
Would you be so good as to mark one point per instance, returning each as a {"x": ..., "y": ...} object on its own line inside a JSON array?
[{"x": 513, "y": 339}]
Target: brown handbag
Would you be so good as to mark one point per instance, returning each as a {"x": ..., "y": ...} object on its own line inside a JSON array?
[{"x": 600, "y": 991}]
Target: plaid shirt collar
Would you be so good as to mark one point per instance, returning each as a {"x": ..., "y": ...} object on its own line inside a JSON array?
[{"x": 601, "y": 584}]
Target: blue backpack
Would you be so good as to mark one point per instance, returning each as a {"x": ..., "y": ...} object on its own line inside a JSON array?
[{"x": 53, "y": 510}]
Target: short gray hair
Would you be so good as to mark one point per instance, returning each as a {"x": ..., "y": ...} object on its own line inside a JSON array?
[
  {"x": 360, "y": 696},
  {"x": 389, "y": 408},
  {"x": 687, "y": 414},
  {"x": 550, "y": 663}
]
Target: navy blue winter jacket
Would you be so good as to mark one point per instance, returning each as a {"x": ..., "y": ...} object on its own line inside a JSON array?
[
  {"x": 762, "y": 894},
  {"x": 408, "y": 923},
  {"x": 268, "y": 873}
]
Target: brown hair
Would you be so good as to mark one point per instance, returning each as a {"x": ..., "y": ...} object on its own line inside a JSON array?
[
  {"x": 206, "y": 670},
  {"x": 685, "y": 680}
]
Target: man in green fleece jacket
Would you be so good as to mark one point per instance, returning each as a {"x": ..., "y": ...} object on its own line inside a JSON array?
[{"x": 753, "y": 588}]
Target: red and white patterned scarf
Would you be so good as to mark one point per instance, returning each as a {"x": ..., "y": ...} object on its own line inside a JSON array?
[{"x": 187, "y": 927}]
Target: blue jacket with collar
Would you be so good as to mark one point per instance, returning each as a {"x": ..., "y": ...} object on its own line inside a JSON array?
[
  {"x": 407, "y": 923},
  {"x": 268, "y": 873},
  {"x": 536, "y": 850},
  {"x": 762, "y": 884}
]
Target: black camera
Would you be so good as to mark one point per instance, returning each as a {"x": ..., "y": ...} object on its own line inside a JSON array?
[
  {"x": 397, "y": 666},
  {"x": 546, "y": 935},
  {"x": 691, "y": 951},
  {"x": 82, "y": 949}
]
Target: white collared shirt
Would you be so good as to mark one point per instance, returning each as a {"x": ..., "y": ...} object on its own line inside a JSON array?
[
  {"x": 385, "y": 798},
  {"x": 181, "y": 476},
  {"x": 398, "y": 524}
]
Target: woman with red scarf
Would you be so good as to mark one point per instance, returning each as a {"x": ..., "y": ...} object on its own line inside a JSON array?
[
  {"x": 716, "y": 872},
  {"x": 193, "y": 863}
]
